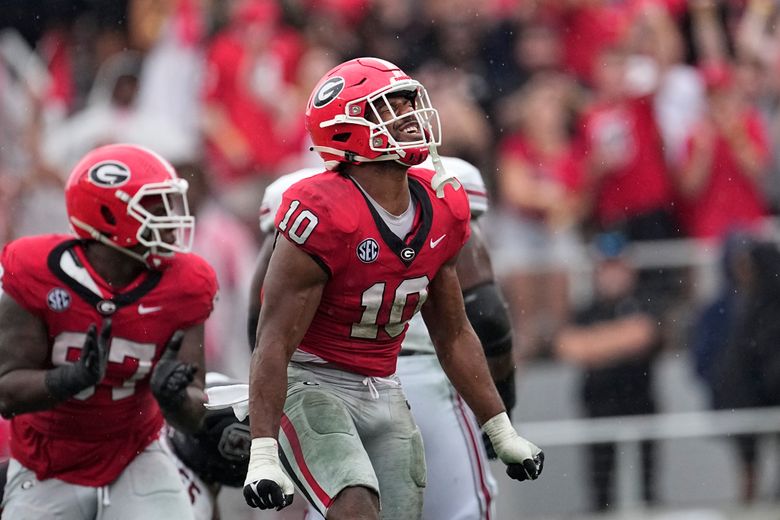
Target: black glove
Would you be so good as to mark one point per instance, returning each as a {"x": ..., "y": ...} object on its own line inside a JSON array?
[
  {"x": 171, "y": 377},
  {"x": 67, "y": 380},
  {"x": 529, "y": 469}
]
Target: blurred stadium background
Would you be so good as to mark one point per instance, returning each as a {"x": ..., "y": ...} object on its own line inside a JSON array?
[{"x": 655, "y": 121}]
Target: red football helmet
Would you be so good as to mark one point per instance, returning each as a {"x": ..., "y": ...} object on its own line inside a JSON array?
[
  {"x": 336, "y": 115},
  {"x": 109, "y": 195}
]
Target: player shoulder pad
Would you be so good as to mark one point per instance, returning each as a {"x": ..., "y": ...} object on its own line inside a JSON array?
[
  {"x": 325, "y": 196},
  {"x": 196, "y": 283},
  {"x": 23, "y": 264},
  {"x": 317, "y": 215},
  {"x": 194, "y": 271},
  {"x": 471, "y": 179},
  {"x": 272, "y": 197}
]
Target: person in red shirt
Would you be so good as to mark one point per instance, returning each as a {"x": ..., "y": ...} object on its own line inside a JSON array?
[
  {"x": 720, "y": 180},
  {"x": 360, "y": 249},
  {"x": 248, "y": 107},
  {"x": 541, "y": 188},
  {"x": 625, "y": 164},
  {"x": 100, "y": 339}
]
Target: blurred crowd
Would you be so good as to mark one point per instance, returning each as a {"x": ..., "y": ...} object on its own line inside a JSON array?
[{"x": 594, "y": 122}]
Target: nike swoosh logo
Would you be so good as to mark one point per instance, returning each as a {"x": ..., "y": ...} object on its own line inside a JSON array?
[
  {"x": 435, "y": 243},
  {"x": 147, "y": 310}
]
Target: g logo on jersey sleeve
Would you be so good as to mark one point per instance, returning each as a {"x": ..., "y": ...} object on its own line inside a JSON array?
[{"x": 109, "y": 174}]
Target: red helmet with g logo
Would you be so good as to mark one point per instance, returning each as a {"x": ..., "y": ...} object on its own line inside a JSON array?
[
  {"x": 338, "y": 111},
  {"x": 109, "y": 195}
]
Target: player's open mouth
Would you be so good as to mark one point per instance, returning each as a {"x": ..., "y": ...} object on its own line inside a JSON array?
[{"x": 410, "y": 131}]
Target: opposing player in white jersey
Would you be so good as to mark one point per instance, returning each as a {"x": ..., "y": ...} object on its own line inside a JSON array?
[
  {"x": 459, "y": 484},
  {"x": 214, "y": 456}
]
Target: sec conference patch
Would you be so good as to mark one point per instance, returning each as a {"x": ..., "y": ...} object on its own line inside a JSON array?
[
  {"x": 368, "y": 250},
  {"x": 58, "y": 299}
]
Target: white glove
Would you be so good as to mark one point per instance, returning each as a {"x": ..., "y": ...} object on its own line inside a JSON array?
[
  {"x": 267, "y": 485},
  {"x": 523, "y": 458}
]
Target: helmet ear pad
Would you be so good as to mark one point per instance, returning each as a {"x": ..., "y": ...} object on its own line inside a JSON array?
[{"x": 105, "y": 211}]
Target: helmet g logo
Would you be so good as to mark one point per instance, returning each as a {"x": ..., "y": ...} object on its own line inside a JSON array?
[
  {"x": 328, "y": 91},
  {"x": 109, "y": 174}
]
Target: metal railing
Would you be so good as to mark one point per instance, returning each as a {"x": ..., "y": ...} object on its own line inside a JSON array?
[{"x": 628, "y": 431}]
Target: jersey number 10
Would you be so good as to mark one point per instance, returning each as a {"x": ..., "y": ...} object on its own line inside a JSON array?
[{"x": 372, "y": 300}]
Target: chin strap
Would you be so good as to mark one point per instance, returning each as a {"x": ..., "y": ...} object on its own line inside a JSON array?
[
  {"x": 351, "y": 156},
  {"x": 442, "y": 176},
  {"x": 100, "y": 237}
]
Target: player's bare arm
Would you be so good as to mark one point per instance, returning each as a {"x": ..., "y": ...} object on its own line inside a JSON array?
[
  {"x": 261, "y": 266},
  {"x": 179, "y": 379},
  {"x": 293, "y": 287},
  {"x": 475, "y": 271},
  {"x": 23, "y": 354},
  {"x": 26, "y": 384},
  {"x": 457, "y": 345},
  {"x": 461, "y": 356}
]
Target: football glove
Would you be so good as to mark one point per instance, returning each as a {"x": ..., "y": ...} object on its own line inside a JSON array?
[
  {"x": 267, "y": 486},
  {"x": 67, "y": 380},
  {"x": 171, "y": 377},
  {"x": 523, "y": 458}
]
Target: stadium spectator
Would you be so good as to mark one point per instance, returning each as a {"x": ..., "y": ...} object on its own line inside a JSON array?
[
  {"x": 623, "y": 153},
  {"x": 517, "y": 48},
  {"x": 463, "y": 121},
  {"x": 746, "y": 370},
  {"x": 250, "y": 65},
  {"x": 726, "y": 158},
  {"x": 614, "y": 340},
  {"x": 713, "y": 324},
  {"x": 112, "y": 115},
  {"x": 541, "y": 192},
  {"x": 588, "y": 27},
  {"x": 170, "y": 33},
  {"x": 655, "y": 67}
]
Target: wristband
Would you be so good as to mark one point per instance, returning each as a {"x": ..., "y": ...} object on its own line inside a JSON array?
[
  {"x": 500, "y": 430},
  {"x": 264, "y": 451}
]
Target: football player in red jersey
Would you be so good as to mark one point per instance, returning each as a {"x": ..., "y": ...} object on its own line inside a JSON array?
[
  {"x": 100, "y": 340},
  {"x": 363, "y": 247}
]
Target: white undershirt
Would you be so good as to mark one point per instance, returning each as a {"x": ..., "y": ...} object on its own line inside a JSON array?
[{"x": 401, "y": 224}]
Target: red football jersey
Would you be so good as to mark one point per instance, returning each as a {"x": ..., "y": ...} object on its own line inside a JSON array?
[
  {"x": 90, "y": 438},
  {"x": 377, "y": 281}
]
